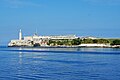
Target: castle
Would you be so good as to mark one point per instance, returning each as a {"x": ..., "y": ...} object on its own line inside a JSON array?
[{"x": 36, "y": 40}]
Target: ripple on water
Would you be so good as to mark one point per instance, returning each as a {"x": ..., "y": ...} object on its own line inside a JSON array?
[{"x": 59, "y": 65}]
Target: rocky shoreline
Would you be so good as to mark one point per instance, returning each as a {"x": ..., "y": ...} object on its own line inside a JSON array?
[{"x": 76, "y": 46}]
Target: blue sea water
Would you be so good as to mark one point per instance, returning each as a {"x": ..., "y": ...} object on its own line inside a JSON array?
[{"x": 59, "y": 63}]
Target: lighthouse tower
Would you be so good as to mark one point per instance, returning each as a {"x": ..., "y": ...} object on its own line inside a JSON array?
[{"x": 20, "y": 35}]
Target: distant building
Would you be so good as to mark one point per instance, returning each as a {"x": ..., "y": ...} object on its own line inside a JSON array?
[
  {"x": 36, "y": 40},
  {"x": 89, "y": 37},
  {"x": 20, "y": 41},
  {"x": 20, "y": 35}
]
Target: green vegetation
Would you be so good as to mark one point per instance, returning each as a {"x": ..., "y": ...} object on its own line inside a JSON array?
[
  {"x": 95, "y": 41},
  {"x": 116, "y": 42},
  {"x": 36, "y": 45},
  {"x": 67, "y": 42},
  {"x": 78, "y": 41}
]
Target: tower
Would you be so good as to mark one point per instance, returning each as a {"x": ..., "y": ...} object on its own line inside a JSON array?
[{"x": 20, "y": 35}]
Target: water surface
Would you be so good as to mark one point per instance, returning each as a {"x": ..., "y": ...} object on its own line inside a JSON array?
[{"x": 59, "y": 63}]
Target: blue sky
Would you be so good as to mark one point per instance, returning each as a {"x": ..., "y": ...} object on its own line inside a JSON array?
[{"x": 100, "y": 18}]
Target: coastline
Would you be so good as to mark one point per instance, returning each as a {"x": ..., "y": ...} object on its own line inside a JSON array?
[
  {"x": 63, "y": 41},
  {"x": 67, "y": 46}
]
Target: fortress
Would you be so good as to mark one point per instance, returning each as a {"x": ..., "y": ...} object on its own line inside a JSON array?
[
  {"x": 59, "y": 41},
  {"x": 36, "y": 40}
]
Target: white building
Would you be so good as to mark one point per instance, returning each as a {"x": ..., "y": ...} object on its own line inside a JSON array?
[
  {"x": 36, "y": 40},
  {"x": 89, "y": 37},
  {"x": 20, "y": 41}
]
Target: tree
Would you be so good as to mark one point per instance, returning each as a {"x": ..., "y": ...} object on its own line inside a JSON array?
[
  {"x": 86, "y": 41},
  {"x": 103, "y": 41},
  {"x": 95, "y": 41},
  {"x": 115, "y": 42},
  {"x": 76, "y": 42},
  {"x": 36, "y": 45}
]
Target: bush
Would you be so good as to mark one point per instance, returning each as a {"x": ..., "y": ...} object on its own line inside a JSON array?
[{"x": 115, "y": 42}]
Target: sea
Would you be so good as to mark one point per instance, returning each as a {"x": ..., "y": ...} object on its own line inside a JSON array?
[{"x": 59, "y": 63}]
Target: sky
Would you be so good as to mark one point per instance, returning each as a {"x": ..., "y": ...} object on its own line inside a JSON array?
[{"x": 99, "y": 18}]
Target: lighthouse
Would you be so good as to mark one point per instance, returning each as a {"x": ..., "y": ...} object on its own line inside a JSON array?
[{"x": 20, "y": 35}]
